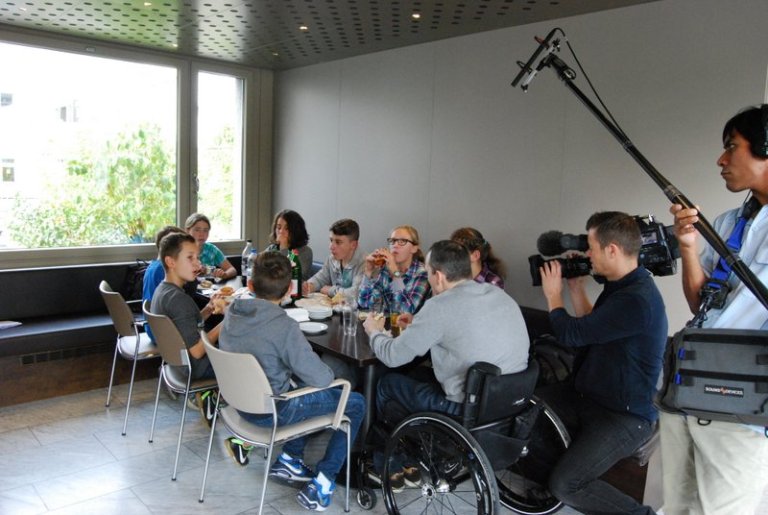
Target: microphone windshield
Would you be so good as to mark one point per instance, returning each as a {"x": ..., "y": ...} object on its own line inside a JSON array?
[{"x": 548, "y": 243}]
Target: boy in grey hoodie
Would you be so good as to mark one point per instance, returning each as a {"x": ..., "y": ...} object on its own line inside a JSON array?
[{"x": 259, "y": 326}]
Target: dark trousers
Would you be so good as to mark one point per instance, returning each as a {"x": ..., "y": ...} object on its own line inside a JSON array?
[
  {"x": 601, "y": 437},
  {"x": 413, "y": 395}
]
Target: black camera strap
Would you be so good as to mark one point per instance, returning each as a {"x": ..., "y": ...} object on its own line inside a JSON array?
[{"x": 715, "y": 291}]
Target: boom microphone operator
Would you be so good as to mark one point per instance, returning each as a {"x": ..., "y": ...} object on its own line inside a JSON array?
[{"x": 554, "y": 243}]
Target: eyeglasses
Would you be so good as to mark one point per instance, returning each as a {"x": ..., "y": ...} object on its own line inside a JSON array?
[{"x": 400, "y": 242}]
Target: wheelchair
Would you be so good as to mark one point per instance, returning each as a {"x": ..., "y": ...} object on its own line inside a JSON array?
[{"x": 498, "y": 452}]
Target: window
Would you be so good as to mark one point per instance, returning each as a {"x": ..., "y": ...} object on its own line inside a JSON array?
[
  {"x": 219, "y": 152},
  {"x": 93, "y": 146},
  {"x": 101, "y": 146}
]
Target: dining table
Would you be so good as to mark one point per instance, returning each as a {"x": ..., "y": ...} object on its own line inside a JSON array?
[{"x": 355, "y": 350}]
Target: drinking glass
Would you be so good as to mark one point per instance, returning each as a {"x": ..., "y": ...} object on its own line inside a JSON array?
[{"x": 349, "y": 318}]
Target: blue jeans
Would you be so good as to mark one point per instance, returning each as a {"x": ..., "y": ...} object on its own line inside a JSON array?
[
  {"x": 313, "y": 405},
  {"x": 413, "y": 395},
  {"x": 601, "y": 437}
]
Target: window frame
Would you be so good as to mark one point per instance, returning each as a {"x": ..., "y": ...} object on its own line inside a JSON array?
[{"x": 256, "y": 156}]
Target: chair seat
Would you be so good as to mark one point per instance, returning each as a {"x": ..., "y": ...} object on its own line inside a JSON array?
[
  {"x": 176, "y": 379},
  {"x": 147, "y": 349},
  {"x": 262, "y": 435}
]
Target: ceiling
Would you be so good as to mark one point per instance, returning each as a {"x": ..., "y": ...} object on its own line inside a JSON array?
[{"x": 268, "y": 33}]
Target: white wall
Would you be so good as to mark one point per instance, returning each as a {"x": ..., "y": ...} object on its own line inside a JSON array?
[{"x": 434, "y": 136}]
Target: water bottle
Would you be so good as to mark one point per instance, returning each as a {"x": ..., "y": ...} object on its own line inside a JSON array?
[
  {"x": 246, "y": 273},
  {"x": 251, "y": 262}
]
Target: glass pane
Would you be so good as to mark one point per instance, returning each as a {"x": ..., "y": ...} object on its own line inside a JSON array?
[
  {"x": 87, "y": 149},
  {"x": 219, "y": 153}
]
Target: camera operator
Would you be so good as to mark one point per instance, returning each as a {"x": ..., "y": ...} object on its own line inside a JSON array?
[
  {"x": 609, "y": 406},
  {"x": 722, "y": 468}
]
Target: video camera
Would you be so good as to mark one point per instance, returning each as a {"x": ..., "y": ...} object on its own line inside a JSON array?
[{"x": 658, "y": 252}]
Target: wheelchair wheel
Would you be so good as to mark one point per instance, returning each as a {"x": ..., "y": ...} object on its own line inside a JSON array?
[
  {"x": 366, "y": 498},
  {"x": 523, "y": 485},
  {"x": 456, "y": 476}
]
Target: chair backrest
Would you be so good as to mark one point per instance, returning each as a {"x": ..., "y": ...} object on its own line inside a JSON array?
[
  {"x": 167, "y": 337},
  {"x": 241, "y": 379},
  {"x": 121, "y": 314},
  {"x": 492, "y": 396}
]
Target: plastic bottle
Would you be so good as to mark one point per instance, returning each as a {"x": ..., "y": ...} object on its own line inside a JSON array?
[
  {"x": 246, "y": 273},
  {"x": 251, "y": 261}
]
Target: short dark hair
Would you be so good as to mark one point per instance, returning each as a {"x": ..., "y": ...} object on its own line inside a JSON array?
[
  {"x": 346, "y": 227},
  {"x": 616, "y": 227},
  {"x": 271, "y": 275},
  {"x": 450, "y": 258},
  {"x": 194, "y": 218},
  {"x": 297, "y": 229},
  {"x": 750, "y": 122},
  {"x": 165, "y": 231},
  {"x": 171, "y": 245}
]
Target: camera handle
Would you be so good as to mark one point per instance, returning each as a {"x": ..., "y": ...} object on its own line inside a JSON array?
[{"x": 567, "y": 75}]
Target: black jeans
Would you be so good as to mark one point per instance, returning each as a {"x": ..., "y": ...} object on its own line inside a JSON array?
[{"x": 601, "y": 437}]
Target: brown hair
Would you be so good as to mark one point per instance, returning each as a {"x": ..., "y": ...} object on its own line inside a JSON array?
[
  {"x": 271, "y": 275},
  {"x": 170, "y": 246},
  {"x": 473, "y": 240},
  {"x": 165, "y": 231},
  {"x": 616, "y": 227},
  {"x": 346, "y": 227}
]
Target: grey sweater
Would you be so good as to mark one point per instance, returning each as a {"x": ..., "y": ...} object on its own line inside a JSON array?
[
  {"x": 467, "y": 323},
  {"x": 258, "y": 327}
]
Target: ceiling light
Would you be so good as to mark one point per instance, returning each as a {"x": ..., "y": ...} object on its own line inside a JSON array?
[
  {"x": 147, "y": 4},
  {"x": 416, "y": 16},
  {"x": 303, "y": 28}
]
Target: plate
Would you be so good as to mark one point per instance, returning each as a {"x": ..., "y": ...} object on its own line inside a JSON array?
[
  {"x": 298, "y": 314},
  {"x": 313, "y": 327}
]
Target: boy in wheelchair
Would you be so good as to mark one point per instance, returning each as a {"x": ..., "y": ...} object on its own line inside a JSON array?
[{"x": 463, "y": 323}]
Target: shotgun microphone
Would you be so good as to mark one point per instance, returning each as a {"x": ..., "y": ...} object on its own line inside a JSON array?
[{"x": 528, "y": 68}]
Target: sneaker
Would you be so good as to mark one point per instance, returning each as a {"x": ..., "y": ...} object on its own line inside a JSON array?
[
  {"x": 396, "y": 480},
  {"x": 291, "y": 470},
  {"x": 412, "y": 476},
  {"x": 206, "y": 402},
  {"x": 311, "y": 498},
  {"x": 236, "y": 448}
]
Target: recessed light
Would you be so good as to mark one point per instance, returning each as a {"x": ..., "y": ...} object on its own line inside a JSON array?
[
  {"x": 303, "y": 28},
  {"x": 147, "y": 4},
  {"x": 416, "y": 16}
]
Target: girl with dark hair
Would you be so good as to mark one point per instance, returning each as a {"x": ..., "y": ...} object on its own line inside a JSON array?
[
  {"x": 290, "y": 233},
  {"x": 486, "y": 267}
]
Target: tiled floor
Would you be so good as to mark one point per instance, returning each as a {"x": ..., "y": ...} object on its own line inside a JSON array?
[{"x": 66, "y": 455}]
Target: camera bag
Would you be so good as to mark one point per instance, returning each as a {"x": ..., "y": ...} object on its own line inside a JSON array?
[{"x": 717, "y": 374}]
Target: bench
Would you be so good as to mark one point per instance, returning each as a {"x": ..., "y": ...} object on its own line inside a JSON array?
[{"x": 66, "y": 338}]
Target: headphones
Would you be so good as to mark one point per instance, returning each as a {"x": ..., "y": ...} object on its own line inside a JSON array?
[{"x": 760, "y": 148}]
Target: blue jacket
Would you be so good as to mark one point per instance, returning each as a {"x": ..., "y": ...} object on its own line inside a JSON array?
[{"x": 623, "y": 341}]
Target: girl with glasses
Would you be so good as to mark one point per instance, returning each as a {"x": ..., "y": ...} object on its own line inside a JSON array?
[{"x": 394, "y": 277}]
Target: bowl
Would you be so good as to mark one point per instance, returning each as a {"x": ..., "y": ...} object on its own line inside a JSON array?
[{"x": 319, "y": 313}]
